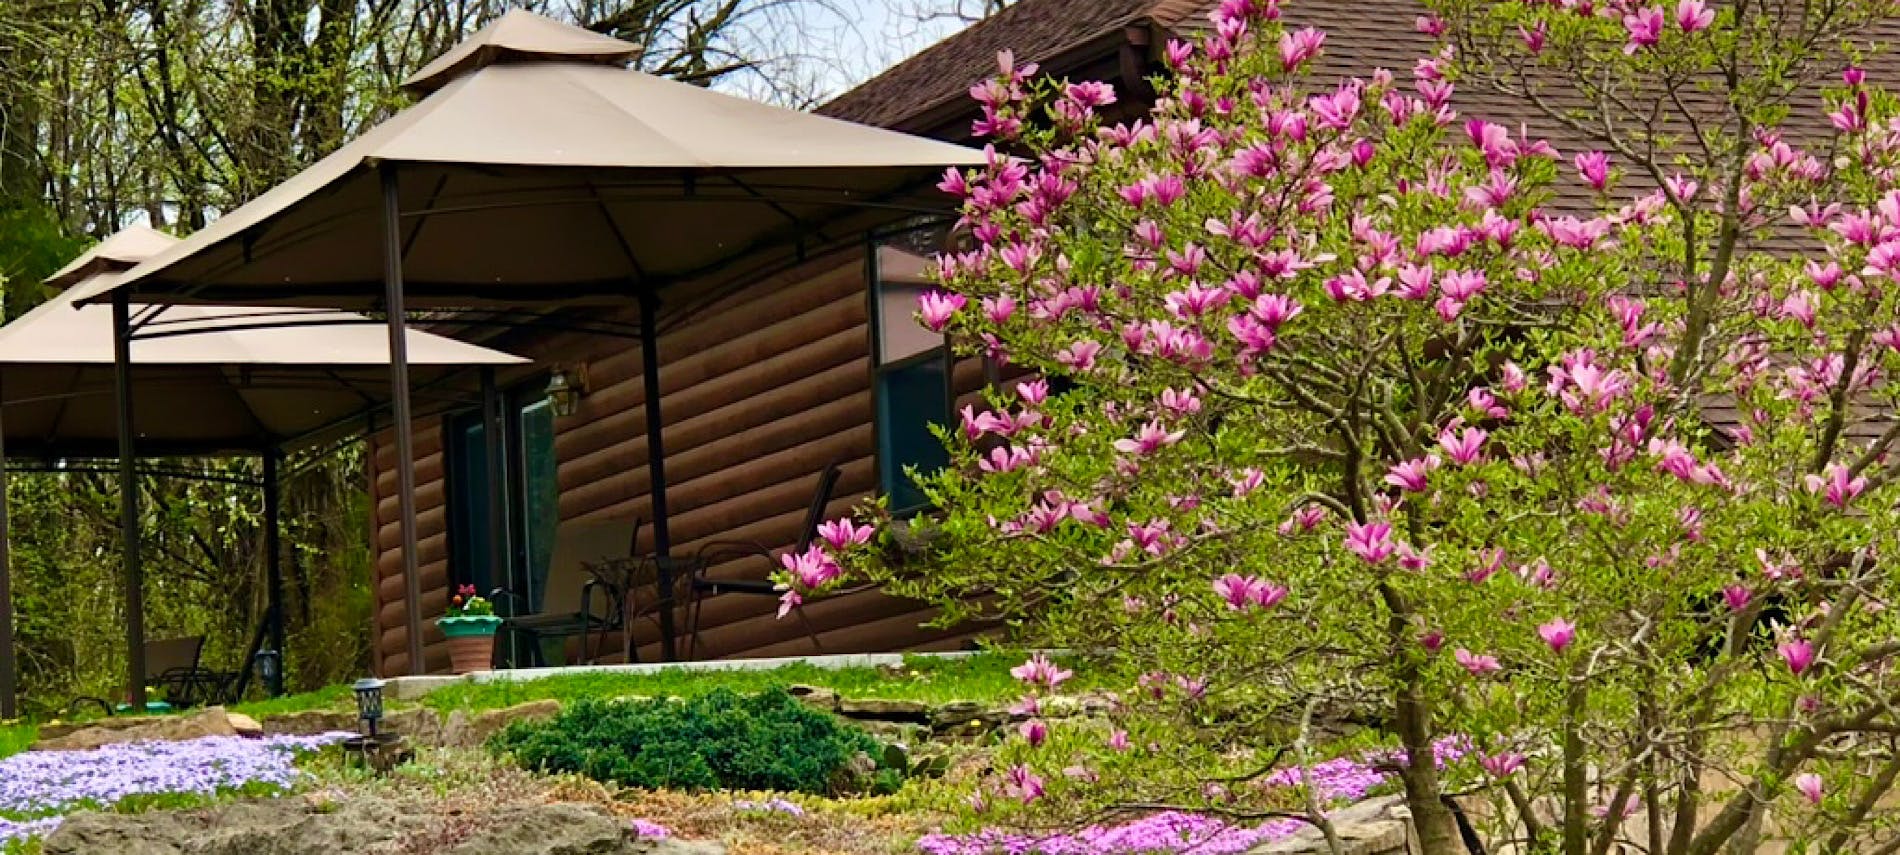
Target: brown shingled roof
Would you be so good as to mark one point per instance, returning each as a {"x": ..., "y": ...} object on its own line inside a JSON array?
[{"x": 1036, "y": 30}]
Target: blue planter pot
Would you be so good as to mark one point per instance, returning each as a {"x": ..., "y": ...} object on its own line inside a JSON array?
[{"x": 465, "y": 627}]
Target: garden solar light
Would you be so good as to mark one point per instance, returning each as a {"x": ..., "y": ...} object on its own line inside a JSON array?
[{"x": 369, "y": 703}]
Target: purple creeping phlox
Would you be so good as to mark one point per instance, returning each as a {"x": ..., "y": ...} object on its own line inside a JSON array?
[
  {"x": 37, "y": 787},
  {"x": 1343, "y": 779},
  {"x": 649, "y": 828}
]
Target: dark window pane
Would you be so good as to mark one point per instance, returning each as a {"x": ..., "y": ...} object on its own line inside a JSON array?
[
  {"x": 911, "y": 397},
  {"x": 540, "y": 492}
]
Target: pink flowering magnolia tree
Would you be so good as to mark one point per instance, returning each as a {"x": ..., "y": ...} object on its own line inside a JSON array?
[{"x": 1337, "y": 406}]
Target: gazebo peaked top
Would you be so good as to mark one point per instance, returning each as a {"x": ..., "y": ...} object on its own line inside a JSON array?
[
  {"x": 520, "y": 35},
  {"x": 538, "y": 170},
  {"x": 122, "y": 251}
]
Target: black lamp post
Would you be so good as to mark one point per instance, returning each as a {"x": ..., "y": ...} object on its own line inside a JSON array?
[{"x": 369, "y": 703}]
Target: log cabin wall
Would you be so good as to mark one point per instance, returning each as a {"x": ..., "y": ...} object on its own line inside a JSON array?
[{"x": 761, "y": 389}]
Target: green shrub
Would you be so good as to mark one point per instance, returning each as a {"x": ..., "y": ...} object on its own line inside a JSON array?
[{"x": 720, "y": 740}]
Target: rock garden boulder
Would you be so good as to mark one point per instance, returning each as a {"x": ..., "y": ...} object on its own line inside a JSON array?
[
  {"x": 297, "y": 827},
  {"x": 211, "y": 721}
]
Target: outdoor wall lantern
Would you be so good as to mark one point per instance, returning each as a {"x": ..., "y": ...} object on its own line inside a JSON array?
[
  {"x": 566, "y": 385},
  {"x": 369, "y": 703}
]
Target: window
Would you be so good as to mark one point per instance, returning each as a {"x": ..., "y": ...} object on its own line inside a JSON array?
[
  {"x": 912, "y": 369},
  {"x": 529, "y": 490}
]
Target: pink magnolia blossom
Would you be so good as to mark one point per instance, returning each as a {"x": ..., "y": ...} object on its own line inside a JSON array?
[
  {"x": 1150, "y": 438},
  {"x": 1583, "y": 386},
  {"x": 1008, "y": 458},
  {"x": 1370, "y": 541},
  {"x": 1089, "y": 94},
  {"x": 1736, "y": 597},
  {"x": 1645, "y": 27},
  {"x": 1477, "y": 664},
  {"x": 843, "y": 533},
  {"x": 1410, "y": 475},
  {"x": 1430, "y": 25},
  {"x": 1296, "y": 47},
  {"x": 1837, "y": 485},
  {"x": 1501, "y": 765},
  {"x": 1118, "y": 740},
  {"x": 1412, "y": 559},
  {"x": 1513, "y": 379},
  {"x": 811, "y": 568},
  {"x": 1558, "y": 633},
  {"x": 938, "y": 307},
  {"x": 1486, "y": 404},
  {"x": 1023, "y": 783},
  {"x": 1034, "y": 732},
  {"x": 1693, "y": 15},
  {"x": 1594, "y": 166},
  {"x": 1242, "y": 592},
  {"x": 1465, "y": 447},
  {"x": 1305, "y": 518},
  {"x": 1432, "y": 640},
  {"x": 976, "y": 424},
  {"x": 1182, "y": 402},
  {"x": 1275, "y": 309},
  {"x": 1533, "y": 38},
  {"x": 1810, "y": 786},
  {"x": 788, "y": 601},
  {"x": 1079, "y": 356},
  {"x": 1039, "y": 671},
  {"x": 1798, "y": 653}
]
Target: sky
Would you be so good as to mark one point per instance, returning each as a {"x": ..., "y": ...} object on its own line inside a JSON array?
[{"x": 889, "y": 31}]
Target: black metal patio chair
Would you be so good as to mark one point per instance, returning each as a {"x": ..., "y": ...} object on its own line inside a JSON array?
[
  {"x": 568, "y": 595},
  {"x": 721, "y": 551}
]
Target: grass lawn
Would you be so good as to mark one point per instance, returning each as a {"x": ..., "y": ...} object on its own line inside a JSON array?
[
  {"x": 984, "y": 678},
  {"x": 15, "y": 738}
]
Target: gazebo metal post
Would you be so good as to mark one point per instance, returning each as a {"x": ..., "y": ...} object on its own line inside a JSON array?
[
  {"x": 9, "y": 667},
  {"x": 399, "y": 409},
  {"x": 656, "y": 466},
  {"x": 498, "y": 535},
  {"x": 129, "y": 500},
  {"x": 274, "y": 566}
]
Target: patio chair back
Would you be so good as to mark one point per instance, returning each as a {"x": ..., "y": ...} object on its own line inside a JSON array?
[
  {"x": 172, "y": 653},
  {"x": 820, "y": 500},
  {"x": 578, "y": 543}
]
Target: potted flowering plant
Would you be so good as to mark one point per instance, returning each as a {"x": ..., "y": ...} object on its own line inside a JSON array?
[{"x": 470, "y": 626}]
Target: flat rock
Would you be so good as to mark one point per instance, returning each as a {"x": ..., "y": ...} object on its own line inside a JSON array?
[
  {"x": 211, "y": 721},
  {"x": 1372, "y": 827},
  {"x": 812, "y": 696},
  {"x": 465, "y": 730},
  {"x": 244, "y": 725},
  {"x": 295, "y": 827},
  {"x": 885, "y": 709}
]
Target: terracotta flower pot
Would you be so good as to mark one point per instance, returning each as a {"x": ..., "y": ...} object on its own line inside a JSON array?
[{"x": 471, "y": 642}]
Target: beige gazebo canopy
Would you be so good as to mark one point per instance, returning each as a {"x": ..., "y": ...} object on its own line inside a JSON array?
[
  {"x": 204, "y": 387},
  {"x": 216, "y": 392},
  {"x": 536, "y": 169},
  {"x": 537, "y": 172}
]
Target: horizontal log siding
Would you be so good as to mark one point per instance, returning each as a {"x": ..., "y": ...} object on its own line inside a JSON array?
[{"x": 761, "y": 389}]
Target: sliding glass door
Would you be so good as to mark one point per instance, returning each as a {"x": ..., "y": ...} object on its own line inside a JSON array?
[{"x": 529, "y": 489}]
